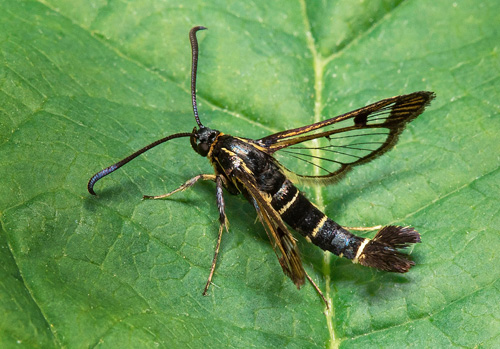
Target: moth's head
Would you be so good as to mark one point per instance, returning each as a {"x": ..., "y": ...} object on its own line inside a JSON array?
[{"x": 202, "y": 139}]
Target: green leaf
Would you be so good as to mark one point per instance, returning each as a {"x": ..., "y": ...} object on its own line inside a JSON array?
[{"x": 85, "y": 83}]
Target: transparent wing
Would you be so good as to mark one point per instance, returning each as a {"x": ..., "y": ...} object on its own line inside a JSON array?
[{"x": 323, "y": 152}]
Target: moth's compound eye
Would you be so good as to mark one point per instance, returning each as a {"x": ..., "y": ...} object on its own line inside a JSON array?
[{"x": 203, "y": 149}]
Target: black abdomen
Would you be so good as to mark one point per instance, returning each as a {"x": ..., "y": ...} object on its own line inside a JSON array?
[{"x": 299, "y": 213}]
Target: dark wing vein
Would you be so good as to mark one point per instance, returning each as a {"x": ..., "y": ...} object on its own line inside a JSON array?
[
  {"x": 281, "y": 240},
  {"x": 342, "y": 138}
]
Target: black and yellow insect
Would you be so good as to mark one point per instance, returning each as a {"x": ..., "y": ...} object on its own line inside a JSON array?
[{"x": 327, "y": 149}]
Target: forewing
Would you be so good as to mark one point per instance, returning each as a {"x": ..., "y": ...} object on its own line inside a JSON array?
[
  {"x": 323, "y": 152},
  {"x": 281, "y": 240}
]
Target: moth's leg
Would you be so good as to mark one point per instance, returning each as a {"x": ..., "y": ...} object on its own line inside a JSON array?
[
  {"x": 316, "y": 287},
  {"x": 221, "y": 183},
  {"x": 214, "y": 261},
  {"x": 376, "y": 227},
  {"x": 189, "y": 183},
  {"x": 223, "y": 223}
]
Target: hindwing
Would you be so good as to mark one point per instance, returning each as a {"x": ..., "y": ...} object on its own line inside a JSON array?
[{"x": 328, "y": 149}]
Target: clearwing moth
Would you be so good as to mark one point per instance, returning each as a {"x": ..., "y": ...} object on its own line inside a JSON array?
[{"x": 260, "y": 170}]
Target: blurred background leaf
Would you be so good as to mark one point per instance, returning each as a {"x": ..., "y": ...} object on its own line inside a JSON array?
[{"x": 85, "y": 83}]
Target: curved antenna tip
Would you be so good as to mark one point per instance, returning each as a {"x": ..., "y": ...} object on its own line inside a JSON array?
[
  {"x": 103, "y": 173},
  {"x": 194, "y": 68},
  {"x": 90, "y": 186}
]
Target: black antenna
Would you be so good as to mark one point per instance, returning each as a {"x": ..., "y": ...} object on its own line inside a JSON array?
[
  {"x": 113, "y": 168},
  {"x": 194, "y": 68}
]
